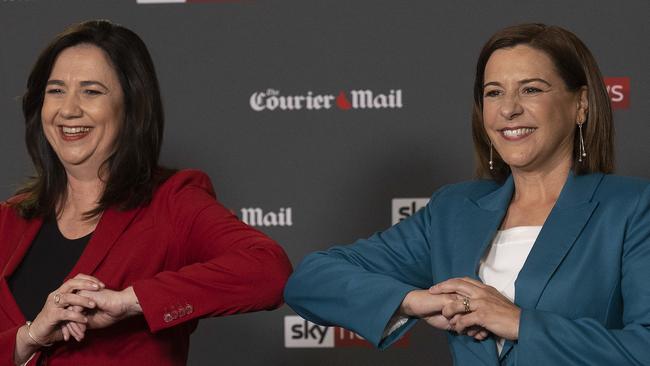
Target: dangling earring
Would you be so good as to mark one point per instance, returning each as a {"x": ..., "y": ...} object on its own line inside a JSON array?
[
  {"x": 582, "y": 153},
  {"x": 491, "y": 162}
]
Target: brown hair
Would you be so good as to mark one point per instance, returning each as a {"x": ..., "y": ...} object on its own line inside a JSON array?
[
  {"x": 133, "y": 171},
  {"x": 577, "y": 67}
]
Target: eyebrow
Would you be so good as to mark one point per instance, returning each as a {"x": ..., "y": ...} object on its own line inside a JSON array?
[
  {"x": 83, "y": 83},
  {"x": 521, "y": 82}
]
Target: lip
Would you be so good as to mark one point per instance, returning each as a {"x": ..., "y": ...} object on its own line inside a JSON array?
[
  {"x": 516, "y": 133},
  {"x": 74, "y": 133}
]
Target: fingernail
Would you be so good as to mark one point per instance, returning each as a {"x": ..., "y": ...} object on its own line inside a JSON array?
[
  {"x": 95, "y": 285},
  {"x": 91, "y": 303},
  {"x": 85, "y": 319}
]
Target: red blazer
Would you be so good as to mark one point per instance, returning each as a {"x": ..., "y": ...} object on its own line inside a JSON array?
[{"x": 186, "y": 256}]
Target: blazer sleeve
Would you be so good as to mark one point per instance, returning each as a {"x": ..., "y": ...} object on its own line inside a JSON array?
[
  {"x": 230, "y": 267},
  {"x": 546, "y": 338},
  {"x": 360, "y": 286},
  {"x": 8, "y": 345}
]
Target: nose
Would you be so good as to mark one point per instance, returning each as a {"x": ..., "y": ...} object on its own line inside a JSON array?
[
  {"x": 70, "y": 107},
  {"x": 510, "y": 107}
]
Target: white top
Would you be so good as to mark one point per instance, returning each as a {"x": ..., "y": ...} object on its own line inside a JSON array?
[{"x": 500, "y": 266}]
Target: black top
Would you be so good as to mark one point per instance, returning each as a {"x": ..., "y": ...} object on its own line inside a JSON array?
[{"x": 47, "y": 262}]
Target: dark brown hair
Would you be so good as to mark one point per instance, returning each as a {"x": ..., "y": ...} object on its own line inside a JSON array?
[
  {"x": 577, "y": 67},
  {"x": 133, "y": 171}
]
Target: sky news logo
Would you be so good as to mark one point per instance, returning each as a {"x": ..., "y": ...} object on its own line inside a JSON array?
[
  {"x": 301, "y": 333},
  {"x": 273, "y": 100},
  {"x": 402, "y": 208},
  {"x": 618, "y": 89}
]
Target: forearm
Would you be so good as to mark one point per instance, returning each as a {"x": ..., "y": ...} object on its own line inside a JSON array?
[
  {"x": 328, "y": 290},
  {"x": 24, "y": 347},
  {"x": 238, "y": 281}
]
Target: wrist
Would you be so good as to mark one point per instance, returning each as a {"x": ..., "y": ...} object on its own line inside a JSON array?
[
  {"x": 25, "y": 346},
  {"x": 405, "y": 308},
  {"x": 131, "y": 301}
]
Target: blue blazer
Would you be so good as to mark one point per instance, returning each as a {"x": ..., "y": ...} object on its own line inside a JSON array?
[{"x": 584, "y": 289}]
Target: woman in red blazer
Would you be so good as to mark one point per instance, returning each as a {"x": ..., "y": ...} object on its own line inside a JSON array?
[{"x": 142, "y": 252}]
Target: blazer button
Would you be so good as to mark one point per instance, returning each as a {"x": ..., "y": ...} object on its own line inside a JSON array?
[
  {"x": 189, "y": 309},
  {"x": 174, "y": 314},
  {"x": 181, "y": 311},
  {"x": 167, "y": 317}
]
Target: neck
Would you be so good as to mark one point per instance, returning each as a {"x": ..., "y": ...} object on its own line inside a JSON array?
[
  {"x": 540, "y": 187},
  {"x": 83, "y": 194}
]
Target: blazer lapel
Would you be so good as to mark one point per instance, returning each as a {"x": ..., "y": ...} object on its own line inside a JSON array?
[
  {"x": 111, "y": 225},
  {"x": 560, "y": 231},
  {"x": 7, "y": 301},
  {"x": 476, "y": 226}
]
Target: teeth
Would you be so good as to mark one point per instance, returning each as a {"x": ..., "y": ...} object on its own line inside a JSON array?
[
  {"x": 518, "y": 132},
  {"x": 74, "y": 130}
]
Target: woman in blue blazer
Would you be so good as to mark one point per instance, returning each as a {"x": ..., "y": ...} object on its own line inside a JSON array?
[{"x": 545, "y": 262}]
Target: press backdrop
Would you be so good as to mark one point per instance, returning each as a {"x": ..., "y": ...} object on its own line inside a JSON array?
[{"x": 385, "y": 95}]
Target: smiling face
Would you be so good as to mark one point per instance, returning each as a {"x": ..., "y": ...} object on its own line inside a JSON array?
[
  {"x": 528, "y": 113},
  {"x": 83, "y": 109}
]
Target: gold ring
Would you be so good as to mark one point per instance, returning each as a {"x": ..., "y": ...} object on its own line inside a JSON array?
[
  {"x": 466, "y": 304},
  {"x": 57, "y": 298}
]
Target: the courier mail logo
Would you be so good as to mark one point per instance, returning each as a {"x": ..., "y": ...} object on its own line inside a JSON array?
[{"x": 301, "y": 333}]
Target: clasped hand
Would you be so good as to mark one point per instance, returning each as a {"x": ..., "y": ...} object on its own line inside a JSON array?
[
  {"x": 466, "y": 306},
  {"x": 79, "y": 304}
]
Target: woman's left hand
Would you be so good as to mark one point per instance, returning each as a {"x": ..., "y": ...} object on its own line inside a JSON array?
[
  {"x": 488, "y": 308},
  {"x": 112, "y": 306}
]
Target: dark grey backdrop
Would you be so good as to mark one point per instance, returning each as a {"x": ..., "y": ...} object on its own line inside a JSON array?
[{"x": 337, "y": 170}]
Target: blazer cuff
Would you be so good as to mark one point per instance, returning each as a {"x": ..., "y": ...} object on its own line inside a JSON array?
[
  {"x": 8, "y": 345},
  {"x": 161, "y": 311}
]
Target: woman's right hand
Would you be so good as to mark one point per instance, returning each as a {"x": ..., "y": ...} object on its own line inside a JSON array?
[
  {"x": 428, "y": 307},
  {"x": 421, "y": 304},
  {"x": 47, "y": 327}
]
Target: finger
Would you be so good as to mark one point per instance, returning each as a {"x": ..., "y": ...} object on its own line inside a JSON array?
[
  {"x": 73, "y": 316},
  {"x": 77, "y": 284},
  {"x": 77, "y": 308},
  {"x": 472, "y": 332},
  {"x": 90, "y": 278},
  {"x": 466, "y": 321},
  {"x": 458, "y": 307},
  {"x": 65, "y": 331},
  {"x": 77, "y": 333},
  {"x": 68, "y": 327},
  {"x": 79, "y": 328},
  {"x": 67, "y": 299},
  {"x": 474, "y": 282},
  {"x": 455, "y": 285},
  {"x": 483, "y": 334}
]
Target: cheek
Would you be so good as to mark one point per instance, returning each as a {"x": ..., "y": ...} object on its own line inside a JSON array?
[
  {"x": 47, "y": 111},
  {"x": 489, "y": 112}
]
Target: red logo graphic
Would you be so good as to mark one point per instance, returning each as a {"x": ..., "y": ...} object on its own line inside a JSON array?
[
  {"x": 342, "y": 101},
  {"x": 346, "y": 338},
  {"x": 619, "y": 91}
]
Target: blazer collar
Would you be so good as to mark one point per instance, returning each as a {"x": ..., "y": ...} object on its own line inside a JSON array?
[{"x": 479, "y": 220}]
